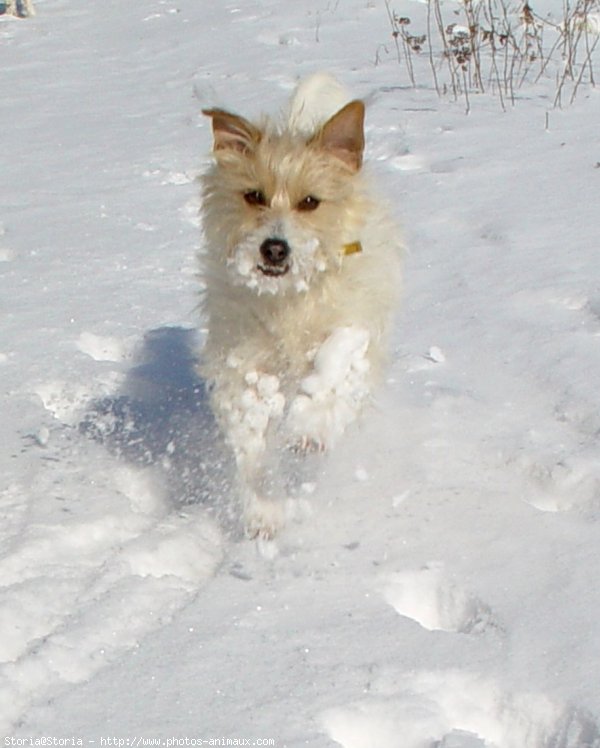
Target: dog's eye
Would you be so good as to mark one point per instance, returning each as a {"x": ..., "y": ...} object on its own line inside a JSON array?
[
  {"x": 255, "y": 198},
  {"x": 310, "y": 202}
]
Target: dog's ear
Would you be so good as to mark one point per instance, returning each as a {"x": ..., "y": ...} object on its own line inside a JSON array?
[
  {"x": 343, "y": 134},
  {"x": 232, "y": 132}
]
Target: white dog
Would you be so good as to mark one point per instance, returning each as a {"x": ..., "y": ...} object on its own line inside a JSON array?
[{"x": 301, "y": 268}]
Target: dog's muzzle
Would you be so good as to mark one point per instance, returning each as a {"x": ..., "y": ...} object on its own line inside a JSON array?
[{"x": 275, "y": 257}]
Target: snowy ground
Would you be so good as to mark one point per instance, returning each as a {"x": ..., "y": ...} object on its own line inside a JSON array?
[{"x": 440, "y": 586}]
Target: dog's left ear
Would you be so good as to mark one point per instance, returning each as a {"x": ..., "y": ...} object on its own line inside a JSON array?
[
  {"x": 232, "y": 132},
  {"x": 343, "y": 135}
]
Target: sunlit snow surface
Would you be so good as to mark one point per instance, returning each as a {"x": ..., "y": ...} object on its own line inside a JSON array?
[{"x": 439, "y": 586}]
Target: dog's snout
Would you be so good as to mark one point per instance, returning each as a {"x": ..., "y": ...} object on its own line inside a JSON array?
[{"x": 275, "y": 251}]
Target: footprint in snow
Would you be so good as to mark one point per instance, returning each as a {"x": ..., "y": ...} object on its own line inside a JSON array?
[
  {"x": 450, "y": 709},
  {"x": 103, "y": 348},
  {"x": 67, "y": 401},
  {"x": 388, "y": 145},
  {"x": 569, "y": 303},
  {"x": 559, "y": 484},
  {"x": 428, "y": 597}
]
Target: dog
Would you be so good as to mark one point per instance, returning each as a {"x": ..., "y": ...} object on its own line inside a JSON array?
[
  {"x": 19, "y": 8},
  {"x": 301, "y": 271}
]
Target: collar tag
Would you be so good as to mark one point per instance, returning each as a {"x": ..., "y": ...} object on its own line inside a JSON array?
[{"x": 352, "y": 248}]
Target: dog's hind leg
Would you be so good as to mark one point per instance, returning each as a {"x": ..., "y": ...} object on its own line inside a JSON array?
[
  {"x": 259, "y": 490},
  {"x": 263, "y": 517}
]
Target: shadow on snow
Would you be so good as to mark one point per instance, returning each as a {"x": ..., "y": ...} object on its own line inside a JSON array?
[{"x": 161, "y": 417}]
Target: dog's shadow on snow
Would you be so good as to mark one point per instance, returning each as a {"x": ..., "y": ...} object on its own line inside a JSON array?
[{"x": 161, "y": 418}]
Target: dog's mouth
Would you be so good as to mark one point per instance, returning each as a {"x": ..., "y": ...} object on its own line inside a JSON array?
[{"x": 274, "y": 271}]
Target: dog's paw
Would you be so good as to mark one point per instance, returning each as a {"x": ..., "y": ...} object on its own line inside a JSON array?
[
  {"x": 307, "y": 445},
  {"x": 333, "y": 394},
  {"x": 264, "y": 518}
]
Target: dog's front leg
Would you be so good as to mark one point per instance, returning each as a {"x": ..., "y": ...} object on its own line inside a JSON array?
[
  {"x": 334, "y": 392},
  {"x": 249, "y": 405}
]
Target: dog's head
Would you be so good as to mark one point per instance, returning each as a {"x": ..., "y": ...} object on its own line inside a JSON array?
[{"x": 281, "y": 206}]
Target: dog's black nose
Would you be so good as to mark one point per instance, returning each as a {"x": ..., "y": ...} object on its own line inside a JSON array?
[{"x": 275, "y": 251}]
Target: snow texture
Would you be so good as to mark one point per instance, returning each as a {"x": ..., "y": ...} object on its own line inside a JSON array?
[
  {"x": 334, "y": 391},
  {"x": 248, "y": 419},
  {"x": 436, "y": 587}
]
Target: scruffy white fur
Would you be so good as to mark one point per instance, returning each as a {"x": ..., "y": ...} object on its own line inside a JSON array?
[
  {"x": 315, "y": 100},
  {"x": 300, "y": 266}
]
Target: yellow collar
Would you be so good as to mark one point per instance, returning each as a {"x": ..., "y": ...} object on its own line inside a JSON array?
[{"x": 352, "y": 248}]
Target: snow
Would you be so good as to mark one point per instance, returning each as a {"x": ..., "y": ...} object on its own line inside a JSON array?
[
  {"x": 437, "y": 586},
  {"x": 260, "y": 402},
  {"x": 334, "y": 392}
]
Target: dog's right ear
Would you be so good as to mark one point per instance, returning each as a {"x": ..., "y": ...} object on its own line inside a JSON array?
[{"x": 232, "y": 132}]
